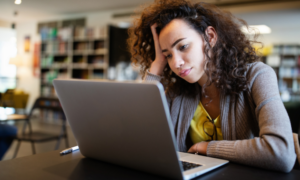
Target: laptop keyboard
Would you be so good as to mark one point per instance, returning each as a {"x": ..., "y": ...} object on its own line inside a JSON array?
[{"x": 187, "y": 166}]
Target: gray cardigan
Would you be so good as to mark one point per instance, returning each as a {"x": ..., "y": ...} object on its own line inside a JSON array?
[{"x": 255, "y": 126}]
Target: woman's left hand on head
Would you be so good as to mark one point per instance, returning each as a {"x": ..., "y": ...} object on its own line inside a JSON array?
[{"x": 199, "y": 148}]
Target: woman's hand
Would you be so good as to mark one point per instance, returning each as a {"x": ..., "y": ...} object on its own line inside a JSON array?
[
  {"x": 160, "y": 62},
  {"x": 200, "y": 148}
]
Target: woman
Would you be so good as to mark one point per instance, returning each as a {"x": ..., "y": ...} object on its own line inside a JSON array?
[
  {"x": 223, "y": 102},
  {"x": 7, "y": 133}
]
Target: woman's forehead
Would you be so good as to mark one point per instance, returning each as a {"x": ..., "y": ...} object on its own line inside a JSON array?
[
  {"x": 176, "y": 29},
  {"x": 175, "y": 26}
]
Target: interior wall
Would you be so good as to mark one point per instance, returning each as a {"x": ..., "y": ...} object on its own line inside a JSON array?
[
  {"x": 285, "y": 25},
  {"x": 27, "y": 81},
  {"x": 4, "y": 24}
]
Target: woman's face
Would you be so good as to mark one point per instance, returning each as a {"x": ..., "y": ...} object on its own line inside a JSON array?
[{"x": 183, "y": 48}]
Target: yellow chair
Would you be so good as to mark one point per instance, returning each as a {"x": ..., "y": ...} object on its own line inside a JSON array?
[{"x": 16, "y": 99}]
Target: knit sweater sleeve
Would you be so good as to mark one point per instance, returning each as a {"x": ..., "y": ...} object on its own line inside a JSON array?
[
  {"x": 151, "y": 77},
  {"x": 274, "y": 148}
]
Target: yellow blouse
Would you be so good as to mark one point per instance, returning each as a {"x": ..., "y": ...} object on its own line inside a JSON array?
[{"x": 199, "y": 120}]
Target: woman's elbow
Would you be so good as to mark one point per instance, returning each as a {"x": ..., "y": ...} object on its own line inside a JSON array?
[{"x": 284, "y": 162}]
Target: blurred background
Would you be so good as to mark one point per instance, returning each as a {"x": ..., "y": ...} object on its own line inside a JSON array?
[{"x": 43, "y": 40}]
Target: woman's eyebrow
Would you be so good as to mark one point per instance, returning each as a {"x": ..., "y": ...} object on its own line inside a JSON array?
[{"x": 176, "y": 42}]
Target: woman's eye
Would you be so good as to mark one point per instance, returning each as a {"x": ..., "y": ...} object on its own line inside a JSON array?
[
  {"x": 168, "y": 56},
  {"x": 183, "y": 47}
]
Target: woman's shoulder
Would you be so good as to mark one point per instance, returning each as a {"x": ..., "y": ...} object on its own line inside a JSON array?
[
  {"x": 256, "y": 68},
  {"x": 259, "y": 68}
]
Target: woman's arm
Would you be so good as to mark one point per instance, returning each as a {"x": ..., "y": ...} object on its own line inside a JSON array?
[
  {"x": 274, "y": 148},
  {"x": 159, "y": 62}
]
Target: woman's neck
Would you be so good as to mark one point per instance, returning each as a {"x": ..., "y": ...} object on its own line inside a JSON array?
[{"x": 210, "y": 91}]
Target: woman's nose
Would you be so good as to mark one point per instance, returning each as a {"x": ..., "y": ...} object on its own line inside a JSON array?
[{"x": 177, "y": 61}]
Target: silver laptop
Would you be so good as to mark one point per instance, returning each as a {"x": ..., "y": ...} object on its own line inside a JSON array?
[{"x": 128, "y": 124}]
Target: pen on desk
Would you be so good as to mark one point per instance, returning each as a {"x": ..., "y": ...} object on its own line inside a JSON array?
[{"x": 69, "y": 150}]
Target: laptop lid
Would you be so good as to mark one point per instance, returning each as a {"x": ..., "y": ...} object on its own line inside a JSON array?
[{"x": 124, "y": 123}]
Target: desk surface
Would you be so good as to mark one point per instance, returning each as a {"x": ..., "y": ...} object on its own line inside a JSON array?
[
  {"x": 74, "y": 166},
  {"x": 14, "y": 117}
]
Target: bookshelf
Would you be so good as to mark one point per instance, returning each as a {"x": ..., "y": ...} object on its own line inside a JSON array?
[
  {"x": 285, "y": 60},
  {"x": 80, "y": 53}
]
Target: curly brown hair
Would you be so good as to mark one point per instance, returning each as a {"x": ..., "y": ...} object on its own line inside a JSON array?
[{"x": 225, "y": 66}]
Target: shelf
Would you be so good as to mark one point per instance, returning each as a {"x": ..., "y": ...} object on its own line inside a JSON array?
[
  {"x": 91, "y": 52},
  {"x": 80, "y": 65},
  {"x": 89, "y": 39},
  {"x": 99, "y": 66},
  {"x": 83, "y": 52},
  {"x": 291, "y": 78},
  {"x": 89, "y": 66},
  {"x": 56, "y": 53},
  {"x": 103, "y": 38},
  {"x": 100, "y": 51},
  {"x": 56, "y": 66},
  {"x": 54, "y": 41},
  {"x": 285, "y": 61},
  {"x": 290, "y": 55},
  {"x": 75, "y": 57},
  {"x": 295, "y": 93}
]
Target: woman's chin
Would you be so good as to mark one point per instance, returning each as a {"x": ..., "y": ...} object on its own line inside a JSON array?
[{"x": 191, "y": 80}]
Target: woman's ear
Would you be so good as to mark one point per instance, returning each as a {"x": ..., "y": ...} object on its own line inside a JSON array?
[{"x": 212, "y": 35}]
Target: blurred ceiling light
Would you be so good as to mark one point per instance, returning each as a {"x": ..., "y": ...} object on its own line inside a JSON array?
[
  {"x": 18, "y": 1},
  {"x": 124, "y": 24},
  {"x": 262, "y": 29}
]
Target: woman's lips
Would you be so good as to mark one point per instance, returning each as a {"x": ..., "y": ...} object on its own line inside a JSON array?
[{"x": 185, "y": 72}]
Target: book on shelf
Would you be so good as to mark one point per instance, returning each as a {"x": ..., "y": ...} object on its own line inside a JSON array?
[
  {"x": 288, "y": 61},
  {"x": 290, "y": 50},
  {"x": 287, "y": 72},
  {"x": 97, "y": 59},
  {"x": 89, "y": 33},
  {"x": 75, "y": 33},
  {"x": 98, "y": 75},
  {"x": 63, "y": 34},
  {"x": 63, "y": 47},
  {"x": 276, "y": 50},
  {"x": 99, "y": 45},
  {"x": 56, "y": 47},
  {"x": 46, "y": 61},
  {"x": 72, "y": 53},
  {"x": 48, "y": 91}
]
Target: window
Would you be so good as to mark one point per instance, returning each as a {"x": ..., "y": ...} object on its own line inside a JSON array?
[{"x": 7, "y": 50}]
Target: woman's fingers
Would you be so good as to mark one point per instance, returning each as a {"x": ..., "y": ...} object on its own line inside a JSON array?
[
  {"x": 200, "y": 148},
  {"x": 155, "y": 39},
  {"x": 153, "y": 30},
  {"x": 159, "y": 62}
]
